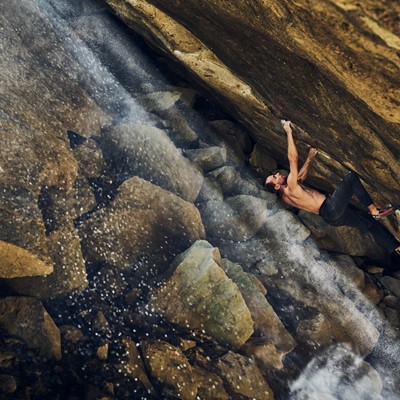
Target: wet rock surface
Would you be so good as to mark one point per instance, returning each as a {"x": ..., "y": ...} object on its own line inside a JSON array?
[{"x": 164, "y": 270}]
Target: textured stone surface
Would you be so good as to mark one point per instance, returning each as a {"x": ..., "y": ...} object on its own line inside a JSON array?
[
  {"x": 199, "y": 295},
  {"x": 143, "y": 220},
  {"x": 27, "y": 318},
  {"x": 170, "y": 368},
  {"x": 330, "y": 66},
  {"x": 344, "y": 239},
  {"x": 149, "y": 153},
  {"x": 237, "y": 218},
  {"x": 243, "y": 377},
  {"x": 266, "y": 323},
  {"x": 41, "y": 99}
]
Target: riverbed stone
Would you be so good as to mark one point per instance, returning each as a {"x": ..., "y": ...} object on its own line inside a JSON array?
[
  {"x": 133, "y": 366},
  {"x": 238, "y": 218},
  {"x": 26, "y": 318},
  {"x": 143, "y": 220},
  {"x": 149, "y": 153},
  {"x": 170, "y": 368},
  {"x": 208, "y": 158},
  {"x": 199, "y": 295},
  {"x": 243, "y": 377},
  {"x": 69, "y": 272},
  {"x": 267, "y": 324}
]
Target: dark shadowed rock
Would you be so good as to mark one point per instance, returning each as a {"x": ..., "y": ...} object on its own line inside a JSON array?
[
  {"x": 7, "y": 384},
  {"x": 170, "y": 368},
  {"x": 343, "y": 239},
  {"x": 243, "y": 377},
  {"x": 208, "y": 158},
  {"x": 232, "y": 183},
  {"x": 27, "y": 318},
  {"x": 133, "y": 366}
]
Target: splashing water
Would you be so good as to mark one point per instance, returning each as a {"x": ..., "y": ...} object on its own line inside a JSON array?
[{"x": 313, "y": 275}]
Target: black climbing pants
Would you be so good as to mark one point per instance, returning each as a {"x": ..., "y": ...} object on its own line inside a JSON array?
[{"x": 335, "y": 211}]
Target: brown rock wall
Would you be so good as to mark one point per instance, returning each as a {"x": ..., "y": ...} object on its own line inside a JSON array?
[{"x": 331, "y": 67}]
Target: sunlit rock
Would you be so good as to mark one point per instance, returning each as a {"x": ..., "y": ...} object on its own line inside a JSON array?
[
  {"x": 199, "y": 295},
  {"x": 149, "y": 153},
  {"x": 243, "y": 377},
  {"x": 26, "y": 318},
  {"x": 102, "y": 352},
  {"x": 170, "y": 368},
  {"x": 208, "y": 158},
  {"x": 69, "y": 267},
  {"x": 143, "y": 220},
  {"x": 23, "y": 243},
  {"x": 237, "y": 218},
  {"x": 267, "y": 324}
]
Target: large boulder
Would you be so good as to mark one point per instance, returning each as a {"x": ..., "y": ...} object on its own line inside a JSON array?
[
  {"x": 148, "y": 152},
  {"x": 143, "y": 220},
  {"x": 257, "y": 59},
  {"x": 199, "y": 295},
  {"x": 267, "y": 324}
]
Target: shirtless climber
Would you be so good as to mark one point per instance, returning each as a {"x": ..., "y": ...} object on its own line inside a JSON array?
[{"x": 332, "y": 208}]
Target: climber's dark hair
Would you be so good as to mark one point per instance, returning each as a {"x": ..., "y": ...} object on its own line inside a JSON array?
[{"x": 271, "y": 188}]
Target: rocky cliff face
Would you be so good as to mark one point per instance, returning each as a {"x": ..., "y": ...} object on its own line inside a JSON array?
[
  {"x": 139, "y": 254},
  {"x": 331, "y": 67}
]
